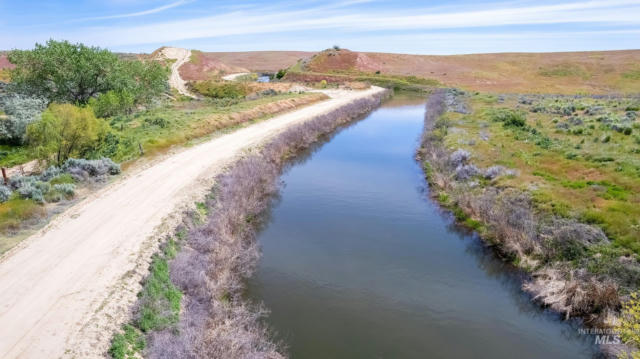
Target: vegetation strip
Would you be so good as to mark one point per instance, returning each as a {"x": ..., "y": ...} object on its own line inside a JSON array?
[
  {"x": 102, "y": 107},
  {"x": 553, "y": 248},
  {"x": 218, "y": 250}
]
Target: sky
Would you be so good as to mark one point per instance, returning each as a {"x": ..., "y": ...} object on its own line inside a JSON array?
[{"x": 400, "y": 26}]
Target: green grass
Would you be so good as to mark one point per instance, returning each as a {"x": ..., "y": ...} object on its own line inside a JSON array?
[
  {"x": 14, "y": 155},
  {"x": 160, "y": 298},
  {"x": 127, "y": 344},
  {"x": 159, "y": 302},
  {"x": 631, "y": 75},
  {"x": 17, "y": 210},
  {"x": 63, "y": 178},
  {"x": 564, "y": 70},
  {"x": 574, "y": 174}
]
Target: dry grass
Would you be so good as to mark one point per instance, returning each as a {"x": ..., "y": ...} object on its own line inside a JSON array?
[
  {"x": 267, "y": 61},
  {"x": 216, "y": 320},
  {"x": 563, "y": 72}
]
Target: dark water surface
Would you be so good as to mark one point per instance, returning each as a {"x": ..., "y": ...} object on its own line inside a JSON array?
[{"x": 359, "y": 263}]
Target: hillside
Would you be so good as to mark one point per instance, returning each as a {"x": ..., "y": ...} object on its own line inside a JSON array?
[
  {"x": 596, "y": 72},
  {"x": 269, "y": 61},
  {"x": 562, "y": 72},
  {"x": 203, "y": 65}
]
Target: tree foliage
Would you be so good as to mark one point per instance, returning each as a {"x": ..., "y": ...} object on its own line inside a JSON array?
[
  {"x": 65, "y": 131},
  {"x": 65, "y": 72},
  {"x": 112, "y": 103}
]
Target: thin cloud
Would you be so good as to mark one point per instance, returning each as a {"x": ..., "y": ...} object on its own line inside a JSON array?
[
  {"x": 139, "y": 13},
  {"x": 616, "y": 13},
  {"x": 326, "y": 21}
]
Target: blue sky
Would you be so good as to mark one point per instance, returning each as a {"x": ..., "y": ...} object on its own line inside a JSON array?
[{"x": 402, "y": 26}]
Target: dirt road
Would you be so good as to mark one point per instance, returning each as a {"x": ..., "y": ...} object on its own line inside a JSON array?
[
  {"x": 181, "y": 56},
  {"x": 69, "y": 286}
]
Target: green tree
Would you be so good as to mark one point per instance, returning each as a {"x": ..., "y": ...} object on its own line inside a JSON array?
[
  {"x": 281, "y": 73},
  {"x": 112, "y": 103},
  {"x": 65, "y": 72},
  {"x": 65, "y": 131}
]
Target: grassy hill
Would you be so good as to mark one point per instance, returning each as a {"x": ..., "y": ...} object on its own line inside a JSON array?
[{"x": 561, "y": 72}]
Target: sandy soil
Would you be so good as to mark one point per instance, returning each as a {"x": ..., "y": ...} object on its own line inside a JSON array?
[
  {"x": 181, "y": 56},
  {"x": 68, "y": 287}
]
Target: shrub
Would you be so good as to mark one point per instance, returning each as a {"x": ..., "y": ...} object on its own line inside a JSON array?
[
  {"x": 65, "y": 131},
  {"x": 68, "y": 189},
  {"x": 20, "y": 110},
  {"x": 215, "y": 89},
  {"x": 50, "y": 173},
  {"x": 459, "y": 157},
  {"x": 493, "y": 172},
  {"x": 31, "y": 191},
  {"x": 125, "y": 345},
  {"x": 281, "y": 73},
  {"x": 627, "y": 131},
  {"x": 5, "y": 193},
  {"x": 63, "y": 178},
  {"x": 464, "y": 172},
  {"x": 508, "y": 117},
  {"x": 157, "y": 121},
  {"x": 81, "y": 169},
  {"x": 112, "y": 103}
]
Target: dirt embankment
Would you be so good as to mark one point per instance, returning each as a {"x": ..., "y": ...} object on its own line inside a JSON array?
[{"x": 69, "y": 286}]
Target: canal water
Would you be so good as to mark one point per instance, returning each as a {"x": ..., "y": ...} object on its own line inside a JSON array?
[{"x": 358, "y": 262}]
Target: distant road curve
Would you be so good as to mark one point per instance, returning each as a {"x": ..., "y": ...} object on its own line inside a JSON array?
[
  {"x": 68, "y": 287},
  {"x": 181, "y": 56}
]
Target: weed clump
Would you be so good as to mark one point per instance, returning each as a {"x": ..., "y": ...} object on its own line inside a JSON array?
[
  {"x": 81, "y": 169},
  {"x": 508, "y": 117}
]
